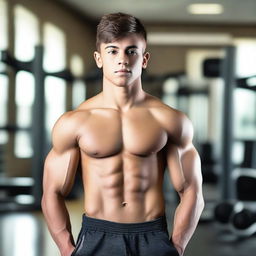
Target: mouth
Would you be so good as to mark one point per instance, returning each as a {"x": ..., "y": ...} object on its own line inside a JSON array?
[{"x": 123, "y": 71}]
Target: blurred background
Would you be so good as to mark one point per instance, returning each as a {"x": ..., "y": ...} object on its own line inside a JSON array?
[{"x": 203, "y": 62}]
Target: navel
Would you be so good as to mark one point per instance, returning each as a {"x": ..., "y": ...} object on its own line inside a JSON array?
[{"x": 124, "y": 204}]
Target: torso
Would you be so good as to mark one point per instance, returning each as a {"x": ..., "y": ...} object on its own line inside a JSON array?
[{"x": 123, "y": 161}]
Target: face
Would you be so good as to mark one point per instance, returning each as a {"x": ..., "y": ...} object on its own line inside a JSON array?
[{"x": 122, "y": 60}]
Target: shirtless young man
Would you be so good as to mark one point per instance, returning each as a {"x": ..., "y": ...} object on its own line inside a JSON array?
[{"x": 124, "y": 139}]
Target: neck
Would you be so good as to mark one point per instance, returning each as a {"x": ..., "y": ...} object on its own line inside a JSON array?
[{"x": 122, "y": 97}]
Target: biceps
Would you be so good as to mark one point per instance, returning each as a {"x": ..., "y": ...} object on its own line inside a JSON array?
[
  {"x": 60, "y": 170},
  {"x": 175, "y": 168},
  {"x": 191, "y": 166},
  {"x": 184, "y": 168}
]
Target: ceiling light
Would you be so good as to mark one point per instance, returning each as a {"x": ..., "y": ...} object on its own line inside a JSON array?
[
  {"x": 187, "y": 38},
  {"x": 205, "y": 9}
]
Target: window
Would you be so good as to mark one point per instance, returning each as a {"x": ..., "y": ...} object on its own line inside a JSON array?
[
  {"x": 3, "y": 25},
  {"x": 55, "y": 48},
  {"x": 245, "y": 114},
  {"x": 26, "y": 37},
  {"x": 245, "y": 57},
  {"x": 3, "y": 108},
  {"x": 26, "y": 33},
  {"x": 3, "y": 78},
  {"x": 24, "y": 100},
  {"x": 170, "y": 88},
  {"x": 55, "y": 88},
  {"x": 78, "y": 93},
  {"x": 55, "y": 95},
  {"x": 79, "y": 87}
]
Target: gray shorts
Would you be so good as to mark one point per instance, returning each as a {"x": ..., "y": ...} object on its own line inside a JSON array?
[{"x": 105, "y": 238}]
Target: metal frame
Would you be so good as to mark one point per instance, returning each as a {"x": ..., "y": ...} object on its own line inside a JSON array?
[{"x": 228, "y": 74}]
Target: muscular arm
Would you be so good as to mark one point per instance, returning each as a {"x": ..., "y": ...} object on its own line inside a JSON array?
[
  {"x": 59, "y": 173},
  {"x": 185, "y": 172}
]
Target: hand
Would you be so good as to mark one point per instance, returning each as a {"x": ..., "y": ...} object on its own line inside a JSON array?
[
  {"x": 68, "y": 251},
  {"x": 179, "y": 250}
]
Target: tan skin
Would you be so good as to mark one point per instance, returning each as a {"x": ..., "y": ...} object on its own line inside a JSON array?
[{"x": 123, "y": 138}]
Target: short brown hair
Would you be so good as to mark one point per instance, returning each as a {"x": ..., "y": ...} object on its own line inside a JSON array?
[{"x": 118, "y": 25}]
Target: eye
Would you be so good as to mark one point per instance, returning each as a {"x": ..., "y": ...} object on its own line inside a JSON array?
[
  {"x": 112, "y": 52},
  {"x": 131, "y": 52}
]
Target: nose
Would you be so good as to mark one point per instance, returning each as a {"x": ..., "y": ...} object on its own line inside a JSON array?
[{"x": 123, "y": 59}]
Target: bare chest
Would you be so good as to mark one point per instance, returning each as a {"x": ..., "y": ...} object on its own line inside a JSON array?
[{"x": 109, "y": 133}]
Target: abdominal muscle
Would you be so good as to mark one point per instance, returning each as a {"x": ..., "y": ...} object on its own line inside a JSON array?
[{"x": 123, "y": 188}]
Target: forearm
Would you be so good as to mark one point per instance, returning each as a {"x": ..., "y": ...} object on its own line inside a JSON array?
[
  {"x": 58, "y": 221},
  {"x": 186, "y": 218}
]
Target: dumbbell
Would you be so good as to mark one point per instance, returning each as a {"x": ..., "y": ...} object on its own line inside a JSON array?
[
  {"x": 223, "y": 212},
  {"x": 244, "y": 222}
]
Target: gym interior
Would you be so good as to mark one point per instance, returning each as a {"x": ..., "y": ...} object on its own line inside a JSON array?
[{"x": 203, "y": 62}]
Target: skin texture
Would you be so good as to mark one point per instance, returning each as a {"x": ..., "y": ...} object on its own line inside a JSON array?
[{"x": 123, "y": 139}]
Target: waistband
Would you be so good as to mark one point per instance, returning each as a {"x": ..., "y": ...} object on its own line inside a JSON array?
[{"x": 158, "y": 224}]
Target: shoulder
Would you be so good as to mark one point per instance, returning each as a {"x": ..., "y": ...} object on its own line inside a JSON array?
[
  {"x": 165, "y": 114},
  {"x": 65, "y": 132},
  {"x": 176, "y": 123},
  {"x": 70, "y": 120}
]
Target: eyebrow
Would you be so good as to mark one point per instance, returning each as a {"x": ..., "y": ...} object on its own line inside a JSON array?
[{"x": 128, "y": 47}]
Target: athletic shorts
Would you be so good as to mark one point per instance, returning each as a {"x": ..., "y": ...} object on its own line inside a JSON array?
[{"x": 105, "y": 238}]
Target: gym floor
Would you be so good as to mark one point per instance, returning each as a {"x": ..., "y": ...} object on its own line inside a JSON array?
[{"x": 25, "y": 234}]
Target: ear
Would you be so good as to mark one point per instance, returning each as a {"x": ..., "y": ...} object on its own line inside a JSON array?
[
  {"x": 146, "y": 58},
  {"x": 97, "y": 58}
]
